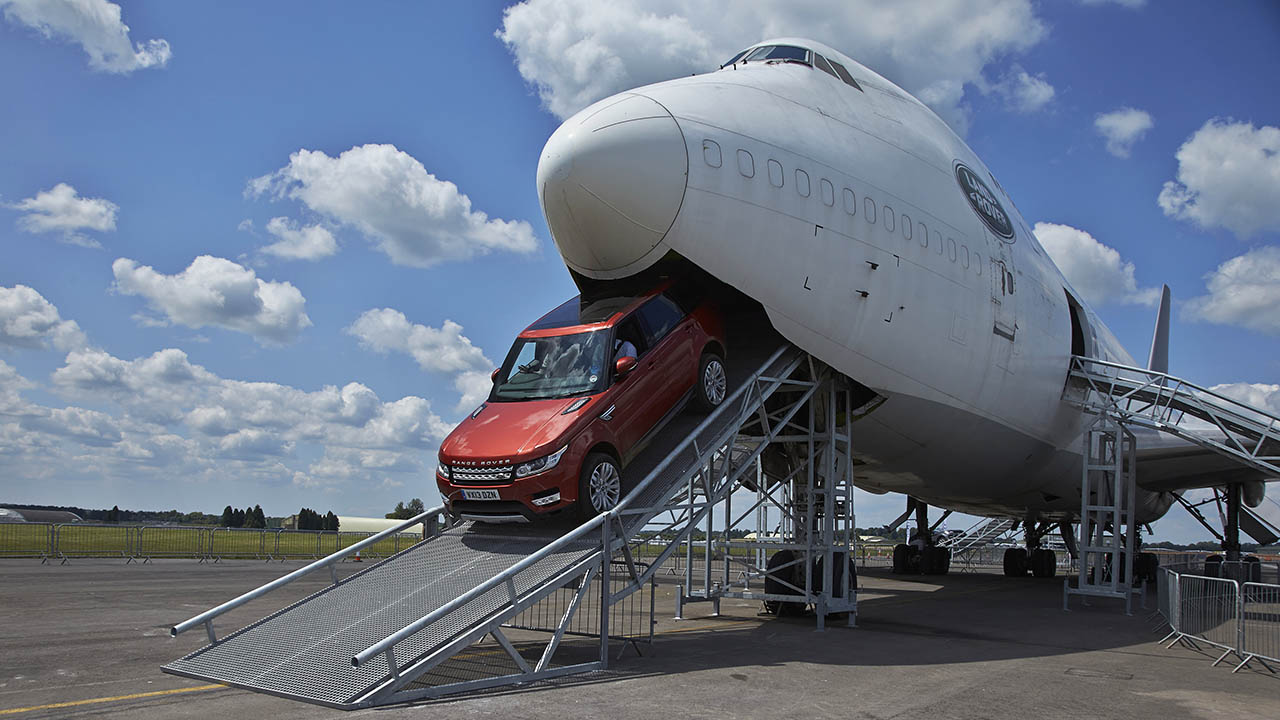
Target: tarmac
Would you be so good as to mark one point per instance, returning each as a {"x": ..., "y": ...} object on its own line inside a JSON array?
[{"x": 88, "y": 639}]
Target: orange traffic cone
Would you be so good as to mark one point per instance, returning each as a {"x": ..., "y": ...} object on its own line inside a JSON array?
[{"x": 358, "y": 557}]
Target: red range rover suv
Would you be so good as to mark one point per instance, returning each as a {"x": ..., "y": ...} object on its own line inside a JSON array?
[{"x": 578, "y": 395}]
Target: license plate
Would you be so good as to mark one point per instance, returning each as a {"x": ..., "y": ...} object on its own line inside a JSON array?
[{"x": 480, "y": 494}]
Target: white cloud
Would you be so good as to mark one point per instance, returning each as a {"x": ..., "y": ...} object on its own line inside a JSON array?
[
  {"x": 575, "y": 52},
  {"x": 1095, "y": 270},
  {"x": 216, "y": 291},
  {"x": 27, "y": 320},
  {"x": 441, "y": 350},
  {"x": 166, "y": 413},
  {"x": 60, "y": 209},
  {"x": 1023, "y": 92},
  {"x": 408, "y": 213},
  {"x": 312, "y": 242},
  {"x": 1260, "y": 395},
  {"x": 96, "y": 26},
  {"x": 1228, "y": 176},
  {"x": 11, "y": 386},
  {"x": 1122, "y": 128},
  {"x": 1243, "y": 291}
]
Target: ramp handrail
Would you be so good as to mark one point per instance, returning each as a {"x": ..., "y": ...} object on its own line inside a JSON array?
[
  {"x": 1152, "y": 399},
  {"x": 581, "y": 531},
  {"x": 207, "y": 616}
]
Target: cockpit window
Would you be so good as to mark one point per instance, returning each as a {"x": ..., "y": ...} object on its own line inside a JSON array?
[
  {"x": 735, "y": 59},
  {"x": 782, "y": 53},
  {"x": 822, "y": 64},
  {"x": 845, "y": 76}
]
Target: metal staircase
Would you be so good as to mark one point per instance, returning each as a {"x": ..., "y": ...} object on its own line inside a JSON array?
[
  {"x": 967, "y": 547},
  {"x": 1134, "y": 396},
  {"x": 391, "y": 632},
  {"x": 1120, "y": 397}
]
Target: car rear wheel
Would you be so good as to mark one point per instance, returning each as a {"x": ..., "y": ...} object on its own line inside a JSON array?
[
  {"x": 713, "y": 382},
  {"x": 599, "y": 485}
]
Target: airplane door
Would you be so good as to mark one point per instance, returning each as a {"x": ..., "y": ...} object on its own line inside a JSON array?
[{"x": 1003, "y": 301}]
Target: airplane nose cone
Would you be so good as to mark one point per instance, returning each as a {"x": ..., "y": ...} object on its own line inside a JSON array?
[{"x": 611, "y": 181}]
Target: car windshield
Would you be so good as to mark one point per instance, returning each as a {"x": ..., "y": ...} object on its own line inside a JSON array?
[{"x": 553, "y": 367}]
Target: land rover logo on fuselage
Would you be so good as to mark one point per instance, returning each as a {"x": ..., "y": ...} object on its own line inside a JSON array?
[{"x": 984, "y": 202}]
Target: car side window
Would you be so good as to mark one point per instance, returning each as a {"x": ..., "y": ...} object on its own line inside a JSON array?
[
  {"x": 629, "y": 332},
  {"x": 661, "y": 316}
]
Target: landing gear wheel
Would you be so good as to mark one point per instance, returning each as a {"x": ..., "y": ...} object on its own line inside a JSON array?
[
  {"x": 713, "y": 382},
  {"x": 774, "y": 583},
  {"x": 599, "y": 485},
  {"x": 1044, "y": 563},
  {"x": 1147, "y": 568},
  {"x": 900, "y": 553},
  {"x": 935, "y": 561},
  {"x": 1015, "y": 562}
]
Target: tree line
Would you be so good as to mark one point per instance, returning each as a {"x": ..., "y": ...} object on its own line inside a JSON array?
[{"x": 247, "y": 518}]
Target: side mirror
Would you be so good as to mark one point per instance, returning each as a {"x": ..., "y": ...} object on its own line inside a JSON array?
[
  {"x": 624, "y": 366},
  {"x": 494, "y": 376}
]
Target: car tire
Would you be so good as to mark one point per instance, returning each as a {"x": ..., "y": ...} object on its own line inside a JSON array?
[
  {"x": 712, "y": 385},
  {"x": 599, "y": 485}
]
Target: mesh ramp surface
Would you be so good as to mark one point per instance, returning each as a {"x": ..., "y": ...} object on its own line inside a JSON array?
[{"x": 304, "y": 651}]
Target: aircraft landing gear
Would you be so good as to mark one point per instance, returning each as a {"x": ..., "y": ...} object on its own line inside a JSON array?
[
  {"x": 1040, "y": 561},
  {"x": 912, "y": 559}
]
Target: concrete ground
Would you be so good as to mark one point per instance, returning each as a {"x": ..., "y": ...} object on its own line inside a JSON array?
[{"x": 88, "y": 639}]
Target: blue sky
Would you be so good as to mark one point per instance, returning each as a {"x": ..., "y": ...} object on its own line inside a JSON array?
[{"x": 267, "y": 252}]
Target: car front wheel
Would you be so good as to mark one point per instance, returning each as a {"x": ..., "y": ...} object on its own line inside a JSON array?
[
  {"x": 599, "y": 485},
  {"x": 713, "y": 382}
]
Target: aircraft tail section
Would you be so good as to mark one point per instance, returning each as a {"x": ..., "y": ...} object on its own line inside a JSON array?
[{"x": 1158, "y": 359}]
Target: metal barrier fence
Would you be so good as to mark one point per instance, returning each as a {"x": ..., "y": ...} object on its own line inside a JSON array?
[
  {"x": 207, "y": 544},
  {"x": 1228, "y": 610}
]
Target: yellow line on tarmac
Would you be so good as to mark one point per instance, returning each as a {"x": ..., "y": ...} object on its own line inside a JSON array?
[{"x": 94, "y": 701}]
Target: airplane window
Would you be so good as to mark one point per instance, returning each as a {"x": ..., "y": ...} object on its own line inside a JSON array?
[
  {"x": 964, "y": 255},
  {"x": 802, "y": 182},
  {"x": 869, "y": 206},
  {"x": 888, "y": 218},
  {"x": 711, "y": 153},
  {"x": 977, "y": 263},
  {"x": 735, "y": 59},
  {"x": 822, "y": 64},
  {"x": 937, "y": 240},
  {"x": 828, "y": 192},
  {"x": 845, "y": 76},
  {"x": 924, "y": 235},
  {"x": 746, "y": 164},
  {"x": 780, "y": 53},
  {"x": 850, "y": 202},
  {"x": 775, "y": 173},
  {"x": 906, "y": 226},
  {"x": 951, "y": 248}
]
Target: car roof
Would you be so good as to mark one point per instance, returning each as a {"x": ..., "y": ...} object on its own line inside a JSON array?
[{"x": 578, "y": 315}]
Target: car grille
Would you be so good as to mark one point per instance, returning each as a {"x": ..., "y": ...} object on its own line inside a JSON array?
[{"x": 481, "y": 475}]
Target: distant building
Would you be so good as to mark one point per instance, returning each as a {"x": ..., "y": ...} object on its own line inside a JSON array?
[
  {"x": 348, "y": 523},
  {"x": 14, "y": 515}
]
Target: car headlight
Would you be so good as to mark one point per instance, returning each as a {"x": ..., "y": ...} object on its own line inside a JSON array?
[
  {"x": 542, "y": 464},
  {"x": 443, "y": 471}
]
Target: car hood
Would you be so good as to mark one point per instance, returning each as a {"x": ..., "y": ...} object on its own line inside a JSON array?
[{"x": 516, "y": 431}]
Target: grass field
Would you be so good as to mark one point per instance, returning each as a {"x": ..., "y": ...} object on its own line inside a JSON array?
[{"x": 40, "y": 540}]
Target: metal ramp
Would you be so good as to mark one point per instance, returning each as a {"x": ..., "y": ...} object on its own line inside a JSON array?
[
  {"x": 1120, "y": 397},
  {"x": 983, "y": 535},
  {"x": 381, "y": 635}
]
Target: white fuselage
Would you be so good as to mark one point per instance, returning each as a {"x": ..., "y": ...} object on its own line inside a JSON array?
[{"x": 842, "y": 211}]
